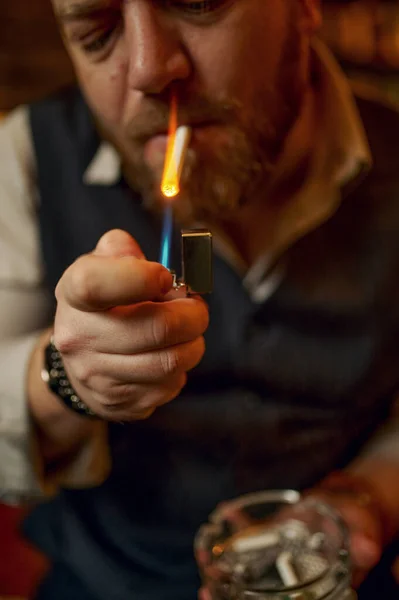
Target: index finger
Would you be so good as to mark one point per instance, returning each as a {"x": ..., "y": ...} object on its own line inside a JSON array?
[{"x": 97, "y": 283}]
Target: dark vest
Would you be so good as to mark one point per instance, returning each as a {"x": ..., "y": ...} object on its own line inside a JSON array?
[{"x": 288, "y": 390}]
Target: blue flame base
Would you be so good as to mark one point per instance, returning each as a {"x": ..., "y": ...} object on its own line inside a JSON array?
[{"x": 166, "y": 239}]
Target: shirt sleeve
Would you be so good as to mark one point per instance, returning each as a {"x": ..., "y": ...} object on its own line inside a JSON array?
[{"x": 25, "y": 312}]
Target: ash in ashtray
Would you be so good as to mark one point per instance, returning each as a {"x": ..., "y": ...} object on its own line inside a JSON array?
[{"x": 286, "y": 555}]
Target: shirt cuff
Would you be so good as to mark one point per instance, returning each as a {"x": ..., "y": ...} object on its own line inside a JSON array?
[{"x": 21, "y": 469}]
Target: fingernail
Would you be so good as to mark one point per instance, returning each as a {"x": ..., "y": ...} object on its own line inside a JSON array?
[{"x": 166, "y": 281}]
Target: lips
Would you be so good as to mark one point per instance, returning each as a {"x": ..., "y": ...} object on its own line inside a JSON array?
[{"x": 194, "y": 125}]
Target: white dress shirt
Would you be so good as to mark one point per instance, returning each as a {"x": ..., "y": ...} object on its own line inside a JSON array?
[{"x": 24, "y": 299}]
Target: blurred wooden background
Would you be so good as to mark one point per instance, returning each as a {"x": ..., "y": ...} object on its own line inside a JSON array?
[{"x": 32, "y": 59}]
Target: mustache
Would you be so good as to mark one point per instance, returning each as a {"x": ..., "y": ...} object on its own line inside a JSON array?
[{"x": 153, "y": 116}]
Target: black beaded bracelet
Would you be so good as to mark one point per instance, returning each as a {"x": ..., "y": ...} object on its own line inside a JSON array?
[{"x": 55, "y": 376}]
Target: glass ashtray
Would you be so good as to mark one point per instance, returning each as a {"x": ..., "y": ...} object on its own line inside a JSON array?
[{"x": 274, "y": 545}]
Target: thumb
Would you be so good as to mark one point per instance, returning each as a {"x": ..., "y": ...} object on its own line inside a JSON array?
[{"x": 118, "y": 243}]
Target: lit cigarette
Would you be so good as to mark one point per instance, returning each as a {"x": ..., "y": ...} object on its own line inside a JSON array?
[
  {"x": 182, "y": 141},
  {"x": 178, "y": 141},
  {"x": 175, "y": 155}
]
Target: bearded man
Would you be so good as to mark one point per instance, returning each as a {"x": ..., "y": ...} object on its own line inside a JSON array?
[{"x": 285, "y": 377}]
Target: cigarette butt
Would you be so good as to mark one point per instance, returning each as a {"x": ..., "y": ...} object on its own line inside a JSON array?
[
  {"x": 286, "y": 570},
  {"x": 255, "y": 542}
]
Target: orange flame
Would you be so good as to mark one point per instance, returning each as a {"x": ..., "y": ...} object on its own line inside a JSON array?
[{"x": 170, "y": 178}]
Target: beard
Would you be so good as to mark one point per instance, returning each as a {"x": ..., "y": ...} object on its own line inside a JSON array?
[{"x": 229, "y": 174}]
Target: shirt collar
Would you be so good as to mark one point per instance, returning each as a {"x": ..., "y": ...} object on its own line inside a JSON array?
[
  {"x": 341, "y": 154},
  {"x": 105, "y": 167},
  {"x": 343, "y": 127}
]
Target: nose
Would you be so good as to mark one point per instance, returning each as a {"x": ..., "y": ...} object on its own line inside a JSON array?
[{"x": 157, "y": 58}]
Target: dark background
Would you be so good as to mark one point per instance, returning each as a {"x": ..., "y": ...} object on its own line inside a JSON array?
[{"x": 32, "y": 59}]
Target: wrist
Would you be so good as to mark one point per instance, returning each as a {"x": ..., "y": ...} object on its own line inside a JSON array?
[
  {"x": 59, "y": 431},
  {"x": 56, "y": 378},
  {"x": 44, "y": 406}
]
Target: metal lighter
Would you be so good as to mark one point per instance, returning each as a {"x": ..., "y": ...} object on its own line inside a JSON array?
[{"x": 196, "y": 262}]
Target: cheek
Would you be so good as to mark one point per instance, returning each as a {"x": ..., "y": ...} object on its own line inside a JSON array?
[
  {"x": 237, "y": 59},
  {"x": 104, "y": 86}
]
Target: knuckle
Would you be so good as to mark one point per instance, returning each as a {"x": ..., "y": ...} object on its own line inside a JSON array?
[
  {"x": 117, "y": 242},
  {"x": 65, "y": 340},
  {"x": 171, "y": 362},
  {"x": 81, "y": 281},
  {"x": 110, "y": 403},
  {"x": 163, "y": 327},
  {"x": 83, "y": 372},
  {"x": 123, "y": 392}
]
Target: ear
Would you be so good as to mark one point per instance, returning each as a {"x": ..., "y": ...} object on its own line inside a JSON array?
[{"x": 311, "y": 10}]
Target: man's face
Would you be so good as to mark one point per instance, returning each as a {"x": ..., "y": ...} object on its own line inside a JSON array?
[{"x": 237, "y": 67}]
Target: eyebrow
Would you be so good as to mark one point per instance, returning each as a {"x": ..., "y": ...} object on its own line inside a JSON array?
[{"x": 82, "y": 10}]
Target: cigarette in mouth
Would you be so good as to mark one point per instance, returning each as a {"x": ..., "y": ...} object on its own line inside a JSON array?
[
  {"x": 182, "y": 141},
  {"x": 175, "y": 155}
]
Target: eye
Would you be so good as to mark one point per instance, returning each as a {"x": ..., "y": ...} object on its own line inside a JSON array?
[
  {"x": 201, "y": 7},
  {"x": 99, "y": 42},
  {"x": 96, "y": 34}
]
